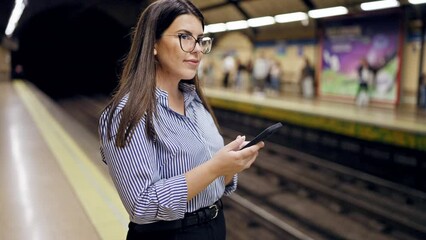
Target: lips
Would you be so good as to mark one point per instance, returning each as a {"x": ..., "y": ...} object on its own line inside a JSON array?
[{"x": 193, "y": 62}]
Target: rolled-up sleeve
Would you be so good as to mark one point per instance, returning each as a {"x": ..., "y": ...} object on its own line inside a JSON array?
[
  {"x": 135, "y": 173},
  {"x": 232, "y": 186}
]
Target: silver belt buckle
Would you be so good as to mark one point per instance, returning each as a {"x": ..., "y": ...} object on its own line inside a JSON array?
[{"x": 216, "y": 209}]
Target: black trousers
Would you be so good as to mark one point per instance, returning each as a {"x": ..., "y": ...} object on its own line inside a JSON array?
[{"x": 213, "y": 230}]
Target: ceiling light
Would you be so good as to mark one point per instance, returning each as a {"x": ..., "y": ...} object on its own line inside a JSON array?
[
  {"x": 261, "y": 21},
  {"x": 14, "y": 17},
  {"x": 217, "y": 27},
  {"x": 417, "y": 1},
  {"x": 291, "y": 17},
  {"x": 370, "y": 6},
  {"x": 235, "y": 25},
  {"x": 328, "y": 12}
]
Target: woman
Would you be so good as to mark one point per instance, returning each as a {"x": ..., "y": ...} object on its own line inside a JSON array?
[
  {"x": 366, "y": 75},
  {"x": 158, "y": 135},
  {"x": 307, "y": 80}
]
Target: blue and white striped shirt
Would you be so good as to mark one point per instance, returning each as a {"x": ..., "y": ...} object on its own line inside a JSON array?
[{"x": 149, "y": 176}]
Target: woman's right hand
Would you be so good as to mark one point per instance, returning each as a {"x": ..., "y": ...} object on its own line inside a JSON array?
[
  {"x": 231, "y": 160},
  {"x": 226, "y": 162}
]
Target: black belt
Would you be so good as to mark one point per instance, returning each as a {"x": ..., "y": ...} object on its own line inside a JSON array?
[{"x": 202, "y": 215}]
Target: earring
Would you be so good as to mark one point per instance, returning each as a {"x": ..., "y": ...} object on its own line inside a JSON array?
[{"x": 155, "y": 51}]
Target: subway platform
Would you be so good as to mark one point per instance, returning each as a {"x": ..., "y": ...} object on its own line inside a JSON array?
[
  {"x": 384, "y": 142},
  {"x": 402, "y": 126},
  {"x": 55, "y": 186}
]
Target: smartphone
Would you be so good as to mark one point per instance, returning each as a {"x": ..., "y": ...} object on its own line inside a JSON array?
[{"x": 264, "y": 134}]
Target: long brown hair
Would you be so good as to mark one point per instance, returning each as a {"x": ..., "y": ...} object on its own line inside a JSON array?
[{"x": 138, "y": 78}]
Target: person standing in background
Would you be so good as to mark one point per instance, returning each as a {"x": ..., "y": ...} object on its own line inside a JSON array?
[
  {"x": 275, "y": 77},
  {"x": 159, "y": 137},
  {"x": 307, "y": 79},
  {"x": 228, "y": 67},
  {"x": 251, "y": 79},
  {"x": 205, "y": 72},
  {"x": 18, "y": 72},
  {"x": 239, "y": 75},
  {"x": 366, "y": 76},
  {"x": 261, "y": 69}
]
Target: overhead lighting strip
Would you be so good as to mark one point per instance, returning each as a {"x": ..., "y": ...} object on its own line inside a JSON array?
[
  {"x": 14, "y": 17},
  {"x": 417, "y": 1},
  {"x": 301, "y": 16},
  {"x": 291, "y": 17},
  {"x": 261, "y": 21},
  {"x": 376, "y": 5},
  {"x": 328, "y": 12},
  {"x": 236, "y": 25},
  {"x": 217, "y": 27}
]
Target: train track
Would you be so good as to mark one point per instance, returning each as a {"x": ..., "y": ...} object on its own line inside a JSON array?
[
  {"x": 247, "y": 220},
  {"x": 366, "y": 207}
]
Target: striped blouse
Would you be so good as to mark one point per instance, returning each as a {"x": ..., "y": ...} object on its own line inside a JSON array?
[{"x": 149, "y": 175}]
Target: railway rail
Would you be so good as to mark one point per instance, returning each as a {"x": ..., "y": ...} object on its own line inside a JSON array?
[{"x": 377, "y": 208}]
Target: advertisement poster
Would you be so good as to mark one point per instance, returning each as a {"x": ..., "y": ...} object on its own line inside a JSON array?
[{"x": 348, "y": 42}]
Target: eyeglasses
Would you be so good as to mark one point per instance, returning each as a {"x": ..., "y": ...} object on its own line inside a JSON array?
[{"x": 188, "y": 42}]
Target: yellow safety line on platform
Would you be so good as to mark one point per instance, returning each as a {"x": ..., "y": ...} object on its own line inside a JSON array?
[{"x": 96, "y": 194}]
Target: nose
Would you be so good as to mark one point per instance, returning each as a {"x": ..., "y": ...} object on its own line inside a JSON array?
[{"x": 198, "y": 47}]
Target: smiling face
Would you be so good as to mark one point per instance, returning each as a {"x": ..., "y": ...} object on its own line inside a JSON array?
[{"x": 174, "y": 63}]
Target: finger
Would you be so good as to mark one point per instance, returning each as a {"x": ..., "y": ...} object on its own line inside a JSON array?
[
  {"x": 255, "y": 147},
  {"x": 251, "y": 161},
  {"x": 248, "y": 153},
  {"x": 243, "y": 144},
  {"x": 234, "y": 145},
  {"x": 260, "y": 144}
]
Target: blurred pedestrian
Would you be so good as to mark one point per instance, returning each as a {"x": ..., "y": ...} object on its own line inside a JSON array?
[
  {"x": 228, "y": 67},
  {"x": 275, "y": 78},
  {"x": 249, "y": 69},
  {"x": 205, "y": 72},
  {"x": 158, "y": 135},
  {"x": 239, "y": 75},
  {"x": 260, "y": 73},
  {"x": 18, "y": 72},
  {"x": 307, "y": 79},
  {"x": 366, "y": 75}
]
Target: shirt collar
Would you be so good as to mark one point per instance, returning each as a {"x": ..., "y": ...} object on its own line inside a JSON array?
[{"x": 188, "y": 90}]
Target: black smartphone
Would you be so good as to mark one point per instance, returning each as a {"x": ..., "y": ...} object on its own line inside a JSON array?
[{"x": 264, "y": 134}]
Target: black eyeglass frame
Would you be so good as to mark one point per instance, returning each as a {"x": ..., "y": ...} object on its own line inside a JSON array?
[{"x": 197, "y": 40}]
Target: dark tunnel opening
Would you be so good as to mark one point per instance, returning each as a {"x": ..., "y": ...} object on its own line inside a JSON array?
[{"x": 70, "y": 51}]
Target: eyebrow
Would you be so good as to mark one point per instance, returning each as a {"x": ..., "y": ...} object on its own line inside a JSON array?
[{"x": 190, "y": 33}]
